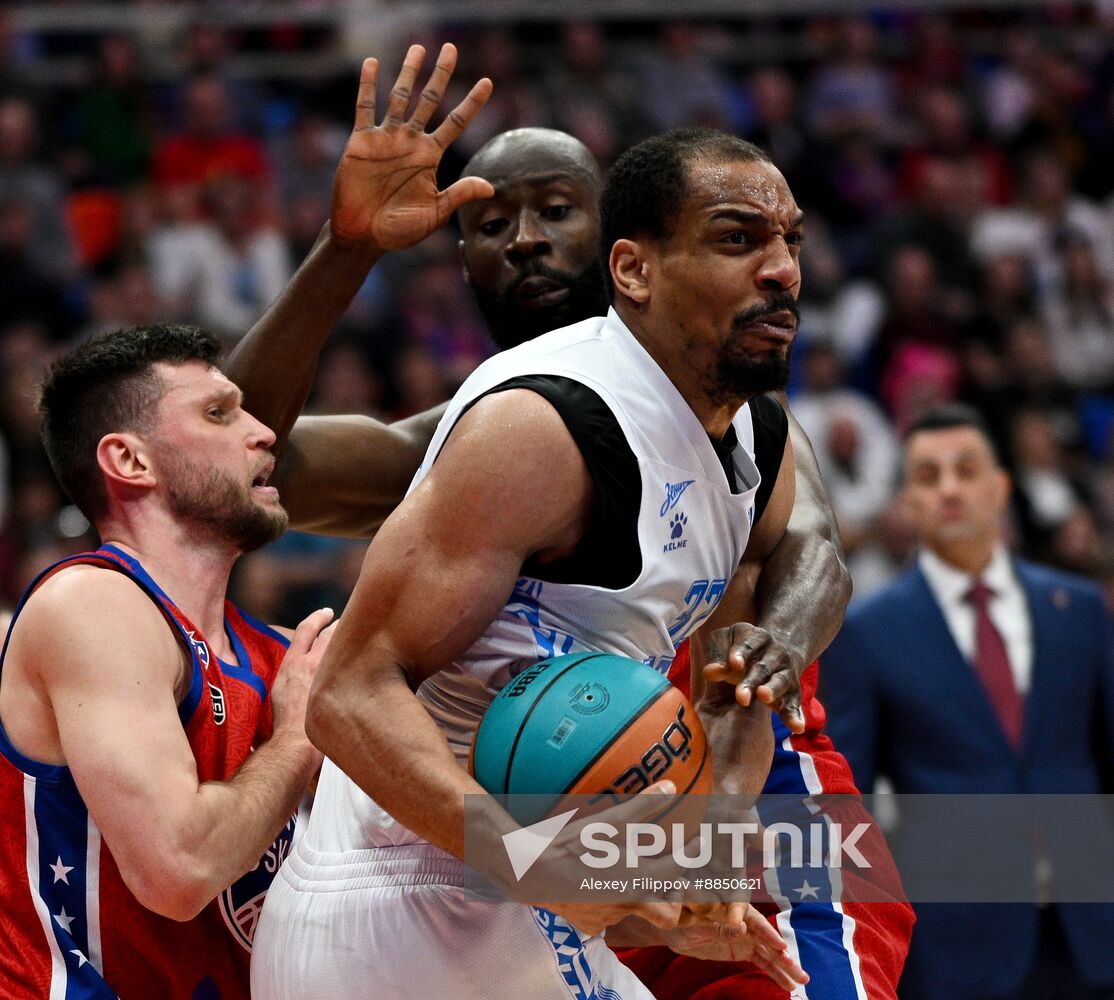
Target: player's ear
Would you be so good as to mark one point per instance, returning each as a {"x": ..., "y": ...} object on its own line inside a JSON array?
[
  {"x": 464, "y": 263},
  {"x": 124, "y": 459},
  {"x": 630, "y": 271}
]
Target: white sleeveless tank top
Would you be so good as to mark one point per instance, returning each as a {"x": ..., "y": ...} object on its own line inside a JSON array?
[{"x": 692, "y": 531}]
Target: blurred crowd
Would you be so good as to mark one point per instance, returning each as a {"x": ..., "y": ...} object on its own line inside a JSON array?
[{"x": 955, "y": 169}]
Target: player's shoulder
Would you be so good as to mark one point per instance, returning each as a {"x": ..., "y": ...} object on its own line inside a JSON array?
[
  {"x": 494, "y": 424},
  {"x": 83, "y": 584},
  {"x": 90, "y": 616},
  {"x": 91, "y": 598}
]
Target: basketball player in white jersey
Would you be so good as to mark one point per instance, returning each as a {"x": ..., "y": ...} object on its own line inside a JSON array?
[{"x": 704, "y": 236}]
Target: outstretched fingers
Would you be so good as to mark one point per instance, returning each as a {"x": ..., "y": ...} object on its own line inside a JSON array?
[
  {"x": 365, "y": 96},
  {"x": 457, "y": 120},
  {"x": 403, "y": 89},
  {"x": 429, "y": 100}
]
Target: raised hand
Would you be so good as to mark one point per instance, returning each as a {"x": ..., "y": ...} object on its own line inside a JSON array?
[{"x": 385, "y": 191}]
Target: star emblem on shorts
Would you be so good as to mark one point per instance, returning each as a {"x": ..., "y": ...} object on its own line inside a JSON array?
[
  {"x": 64, "y": 920},
  {"x": 807, "y": 891},
  {"x": 81, "y": 959},
  {"x": 60, "y": 871}
]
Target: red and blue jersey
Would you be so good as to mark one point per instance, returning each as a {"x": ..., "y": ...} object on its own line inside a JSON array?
[
  {"x": 69, "y": 927},
  {"x": 853, "y": 950}
]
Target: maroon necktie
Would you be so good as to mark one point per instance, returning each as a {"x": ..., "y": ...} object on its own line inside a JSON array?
[{"x": 992, "y": 664}]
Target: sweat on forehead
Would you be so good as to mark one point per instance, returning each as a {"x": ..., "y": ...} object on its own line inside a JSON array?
[
  {"x": 648, "y": 184},
  {"x": 525, "y": 151}
]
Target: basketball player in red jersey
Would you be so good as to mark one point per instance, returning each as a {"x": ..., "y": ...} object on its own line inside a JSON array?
[
  {"x": 152, "y": 741},
  {"x": 531, "y": 255}
]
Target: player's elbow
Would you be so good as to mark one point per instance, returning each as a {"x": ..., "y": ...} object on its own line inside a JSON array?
[
  {"x": 324, "y": 716},
  {"x": 178, "y": 891}
]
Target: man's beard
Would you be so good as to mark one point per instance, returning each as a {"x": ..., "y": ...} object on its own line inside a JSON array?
[
  {"x": 511, "y": 324},
  {"x": 739, "y": 374},
  {"x": 214, "y": 502}
]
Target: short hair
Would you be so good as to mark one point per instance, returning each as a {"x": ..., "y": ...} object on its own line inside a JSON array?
[
  {"x": 647, "y": 185},
  {"x": 948, "y": 415},
  {"x": 108, "y": 384}
]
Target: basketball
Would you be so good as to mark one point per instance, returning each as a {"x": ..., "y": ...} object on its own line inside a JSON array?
[{"x": 589, "y": 724}]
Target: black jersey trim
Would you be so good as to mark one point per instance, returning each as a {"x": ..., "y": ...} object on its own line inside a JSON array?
[{"x": 609, "y": 554}]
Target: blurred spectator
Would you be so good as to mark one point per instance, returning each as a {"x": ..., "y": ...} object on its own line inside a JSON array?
[
  {"x": 1079, "y": 317},
  {"x": 858, "y": 457},
  {"x": 30, "y": 293},
  {"x": 775, "y": 125},
  {"x": 1035, "y": 383},
  {"x": 222, "y": 274},
  {"x": 439, "y": 314},
  {"x": 851, "y": 90},
  {"x": 937, "y": 221},
  {"x": 838, "y": 312},
  {"x": 298, "y": 574},
  {"x": 592, "y": 97},
  {"x": 1005, "y": 297},
  {"x": 919, "y": 377},
  {"x": 1040, "y": 226},
  {"x": 915, "y": 308},
  {"x": 518, "y": 99},
  {"x": 346, "y": 383},
  {"x": 207, "y": 149},
  {"x": 123, "y": 297},
  {"x": 859, "y": 191},
  {"x": 419, "y": 382},
  {"x": 38, "y": 188},
  {"x": 937, "y": 57},
  {"x": 946, "y": 133},
  {"x": 306, "y": 157},
  {"x": 1046, "y": 495},
  {"x": 1009, "y": 91},
  {"x": 1079, "y": 547},
  {"x": 679, "y": 82},
  {"x": 209, "y": 50},
  {"x": 113, "y": 123}
]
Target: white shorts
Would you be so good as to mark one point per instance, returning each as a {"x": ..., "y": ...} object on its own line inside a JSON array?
[{"x": 414, "y": 923}]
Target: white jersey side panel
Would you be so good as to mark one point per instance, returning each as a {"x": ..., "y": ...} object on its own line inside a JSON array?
[{"x": 692, "y": 533}]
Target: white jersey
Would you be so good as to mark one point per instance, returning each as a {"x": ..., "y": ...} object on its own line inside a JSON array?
[{"x": 692, "y": 532}]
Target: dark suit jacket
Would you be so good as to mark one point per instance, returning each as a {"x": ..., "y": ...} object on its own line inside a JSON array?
[{"x": 902, "y": 701}]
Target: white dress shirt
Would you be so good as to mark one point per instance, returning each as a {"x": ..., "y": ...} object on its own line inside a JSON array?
[{"x": 1008, "y": 609}]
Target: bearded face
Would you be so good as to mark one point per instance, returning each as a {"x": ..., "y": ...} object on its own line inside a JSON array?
[{"x": 220, "y": 506}]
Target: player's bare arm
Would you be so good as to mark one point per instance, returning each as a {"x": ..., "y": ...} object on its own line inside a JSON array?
[
  {"x": 385, "y": 197},
  {"x": 106, "y": 676},
  {"x": 741, "y": 742},
  {"x": 343, "y": 475},
  {"x": 801, "y": 594}
]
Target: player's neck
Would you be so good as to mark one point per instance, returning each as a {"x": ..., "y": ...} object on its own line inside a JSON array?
[
  {"x": 193, "y": 574},
  {"x": 686, "y": 368}
]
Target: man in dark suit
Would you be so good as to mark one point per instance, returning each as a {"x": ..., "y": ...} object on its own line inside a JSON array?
[{"x": 978, "y": 673}]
